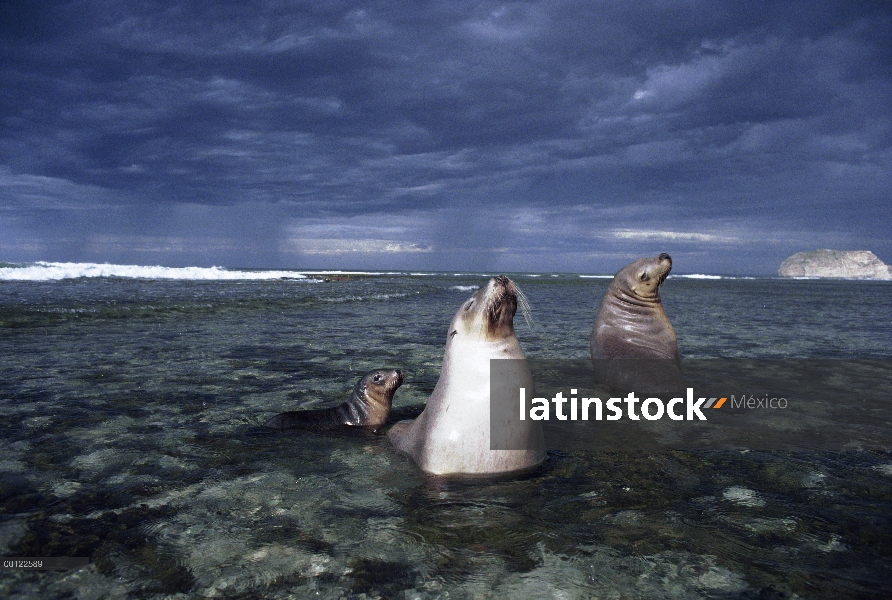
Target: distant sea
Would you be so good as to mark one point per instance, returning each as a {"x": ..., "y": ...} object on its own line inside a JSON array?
[{"x": 132, "y": 399}]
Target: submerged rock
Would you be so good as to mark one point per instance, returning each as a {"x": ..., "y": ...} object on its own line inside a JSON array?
[{"x": 852, "y": 264}]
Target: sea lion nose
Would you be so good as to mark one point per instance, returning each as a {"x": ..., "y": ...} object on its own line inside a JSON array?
[
  {"x": 665, "y": 256},
  {"x": 504, "y": 283},
  {"x": 399, "y": 375}
]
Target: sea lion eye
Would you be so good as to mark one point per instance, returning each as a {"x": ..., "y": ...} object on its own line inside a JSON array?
[
  {"x": 469, "y": 305},
  {"x": 454, "y": 331},
  {"x": 643, "y": 276},
  {"x": 378, "y": 377}
]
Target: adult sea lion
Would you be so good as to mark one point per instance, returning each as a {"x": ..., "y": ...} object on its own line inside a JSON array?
[
  {"x": 368, "y": 406},
  {"x": 452, "y": 434},
  {"x": 633, "y": 345}
]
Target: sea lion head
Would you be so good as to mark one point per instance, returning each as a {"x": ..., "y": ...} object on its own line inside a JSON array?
[
  {"x": 375, "y": 391},
  {"x": 641, "y": 280},
  {"x": 489, "y": 313}
]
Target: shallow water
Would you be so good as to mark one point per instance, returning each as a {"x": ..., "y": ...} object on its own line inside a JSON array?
[{"x": 132, "y": 412}]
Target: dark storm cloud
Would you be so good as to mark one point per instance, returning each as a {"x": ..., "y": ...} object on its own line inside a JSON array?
[{"x": 541, "y": 135}]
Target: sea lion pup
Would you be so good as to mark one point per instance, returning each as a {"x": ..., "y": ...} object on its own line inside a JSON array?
[
  {"x": 632, "y": 325},
  {"x": 452, "y": 434},
  {"x": 368, "y": 406}
]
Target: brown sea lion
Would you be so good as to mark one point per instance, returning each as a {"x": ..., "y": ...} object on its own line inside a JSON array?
[
  {"x": 452, "y": 435},
  {"x": 368, "y": 406},
  {"x": 632, "y": 326}
]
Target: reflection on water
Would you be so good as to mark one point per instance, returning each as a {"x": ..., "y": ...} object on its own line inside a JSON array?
[{"x": 131, "y": 415}]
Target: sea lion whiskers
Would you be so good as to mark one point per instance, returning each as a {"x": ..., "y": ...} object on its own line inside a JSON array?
[{"x": 524, "y": 306}]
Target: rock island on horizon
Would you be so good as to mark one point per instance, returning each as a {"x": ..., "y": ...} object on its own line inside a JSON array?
[{"x": 848, "y": 264}]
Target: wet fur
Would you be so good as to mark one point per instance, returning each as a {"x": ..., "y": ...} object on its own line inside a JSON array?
[
  {"x": 368, "y": 406},
  {"x": 633, "y": 345}
]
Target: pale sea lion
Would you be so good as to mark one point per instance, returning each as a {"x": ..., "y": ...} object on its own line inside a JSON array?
[
  {"x": 632, "y": 324},
  {"x": 452, "y": 434},
  {"x": 368, "y": 406}
]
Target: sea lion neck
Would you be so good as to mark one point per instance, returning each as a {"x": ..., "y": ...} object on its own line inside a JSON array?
[{"x": 625, "y": 295}]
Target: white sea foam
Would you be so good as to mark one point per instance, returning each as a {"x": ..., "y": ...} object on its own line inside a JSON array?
[
  {"x": 596, "y": 276},
  {"x": 465, "y": 288},
  {"x": 884, "y": 469},
  {"x": 47, "y": 271},
  {"x": 702, "y": 276},
  {"x": 743, "y": 496},
  {"x": 322, "y": 273}
]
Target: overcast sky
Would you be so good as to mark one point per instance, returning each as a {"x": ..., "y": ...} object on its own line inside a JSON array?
[{"x": 528, "y": 136}]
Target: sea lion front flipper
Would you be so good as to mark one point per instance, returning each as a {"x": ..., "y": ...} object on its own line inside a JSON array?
[{"x": 399, "y": 436}]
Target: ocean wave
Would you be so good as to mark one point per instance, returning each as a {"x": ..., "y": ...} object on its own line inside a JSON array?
[
  {"x": 465, "y": 288},
  {"x": 596, "y": 276},
  {"x": 323, "y": 273},
  {"x": 700, "y": 276},
  {"x": 49, "y": 271}
]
